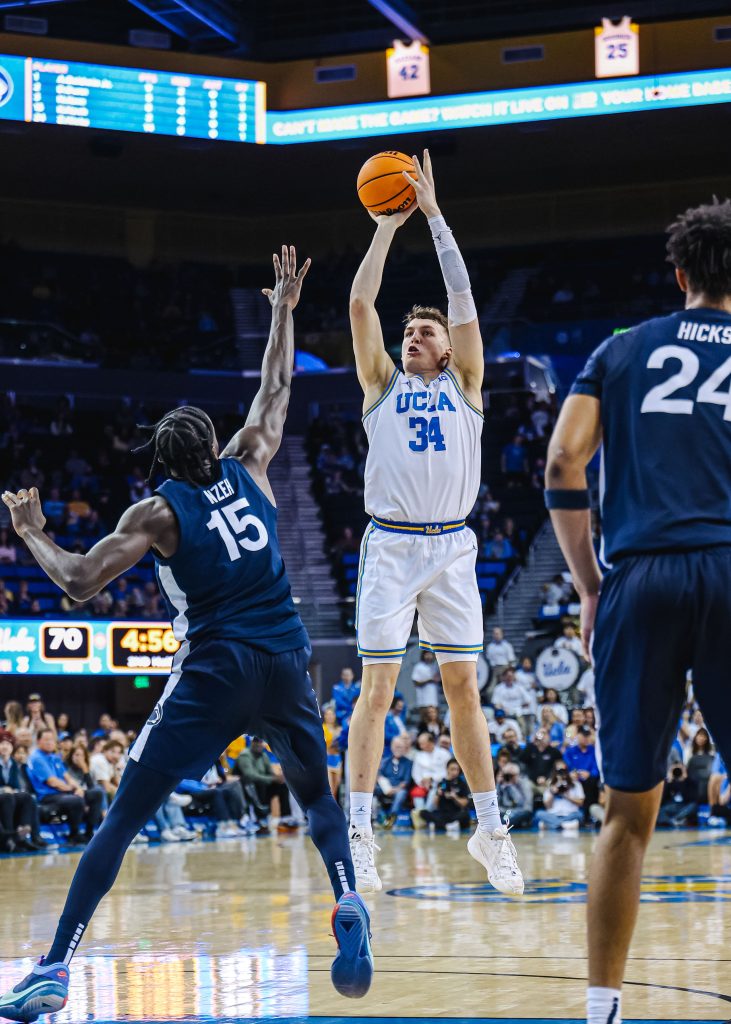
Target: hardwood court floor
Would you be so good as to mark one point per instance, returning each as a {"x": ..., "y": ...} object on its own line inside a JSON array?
[{"x": 239, "y": 929}]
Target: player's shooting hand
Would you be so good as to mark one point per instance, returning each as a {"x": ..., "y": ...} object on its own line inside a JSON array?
[
  {"x": 394, "y": 220},
  {"x": 25, "y": 510},
  {"x": 423, "y": 182},
  {"x": 287, "y": 279}
]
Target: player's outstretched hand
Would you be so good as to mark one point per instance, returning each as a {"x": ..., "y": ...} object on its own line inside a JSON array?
[
  {"x": 287, "y": 280},
  {"x": 423, "y": 185},
  {"x": 25, "y": 510}
]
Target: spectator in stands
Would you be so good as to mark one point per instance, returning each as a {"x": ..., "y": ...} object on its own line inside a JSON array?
[
  {"x": 512, "y": 742},
  {"x": 395, "y": 725},
  {"x": 24, "y": 737},
  {"x": 452, "y": 802},
  {"x": 679, "y": 805},
  {"x": 170, "y": 819},
  {"x": 13, "y": 712},
  {"x": 19, "y": 822},
  {"x": 345, "y": 693},
  {"x": 63, "y": 725},
  {"x": 224, "y": 800},
  {"x": 551, "y": 700},
  {"x": 515, "y": 795},
  {"x": 500, "y": 653},
  {"x": 431, "y": 722},
  {"x": 563, "y": 801},
  {"x": 37, "y": 717},
  {"x": 570, "y": 640},
  {"x": 59, "y": 792},
  {"x": 65, "y": 746},
  {"x": 700, "y": 764},
  {"x": 8, "y": 550},
  {"x": 256, "y": 768},
  {"x": 7, "y": 596},
  {"x": 498, "y": 548},
  {"x": 426, "y": 679},
  {"x": 332, "y": 731},
  {"x": 347, "y": 542},
  {"x": 557, "y": 592},
  {"x": 539, "y": 759},
  {"x": 552, "y": 726},
  {"x": 581, "y": 760},
  {"x": 577, "y": 719},
  {"x": 428, "y": 770},
  {"x": 514, "y": 462},
  {"x": 501, "y": 725},
  {"x": 394, "y": 779},
  {"x": 105, "y": 767},
  {"x": 513, "y": 698},
  {"x": 586, "y": 690}
]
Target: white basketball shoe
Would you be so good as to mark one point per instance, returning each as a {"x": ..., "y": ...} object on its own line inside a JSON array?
[
  {"x": 362, "y": 849},
  {"x": 495, "y": 851}
]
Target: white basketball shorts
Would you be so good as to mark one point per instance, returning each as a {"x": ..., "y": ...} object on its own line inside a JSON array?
[{"x": 401, "y": 573}]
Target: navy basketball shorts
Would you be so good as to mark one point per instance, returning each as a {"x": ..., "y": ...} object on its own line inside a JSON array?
[
  {"x": 659, "y": 616},
  {"x": 222, "y": 689}
]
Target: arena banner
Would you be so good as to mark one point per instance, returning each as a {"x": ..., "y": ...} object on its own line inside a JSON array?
[
  {"x": 557, "y": 667},
  {"x": 510, "y": 106},
  {"x": 85, "y": 647}
]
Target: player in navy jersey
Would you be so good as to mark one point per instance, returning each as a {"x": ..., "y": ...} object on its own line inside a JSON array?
[
  {"x": 658, "y": 399},
  {"x": 242, "y": 664}
]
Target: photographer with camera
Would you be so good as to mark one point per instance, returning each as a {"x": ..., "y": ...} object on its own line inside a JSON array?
[
  {"x": 515, "y": 795},
  {"x": 679, "y": 806},
  {"x": 563, "y": 800},
  {"x": 453, "y": 800}
]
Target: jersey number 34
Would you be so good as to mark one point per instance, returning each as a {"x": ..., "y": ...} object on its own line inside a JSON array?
[
  {"x": 428, "y": 431},
  {"x": 229, "y": 524},
  {"x": 658, "y": 398}
]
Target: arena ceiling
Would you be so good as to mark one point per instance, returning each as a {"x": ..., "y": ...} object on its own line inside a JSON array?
[{"x": 289, "y": 29}]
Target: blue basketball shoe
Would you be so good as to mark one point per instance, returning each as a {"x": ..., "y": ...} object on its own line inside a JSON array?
[
  {"x": 352, "y": 969},
  {"x": 44, "y": 990}
]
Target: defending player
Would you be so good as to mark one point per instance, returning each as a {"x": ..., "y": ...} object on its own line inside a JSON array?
[
  {"x": 422, "y": 476},
  {"x": 657, "y": 398},
  {"x": 242, "y": 666}
]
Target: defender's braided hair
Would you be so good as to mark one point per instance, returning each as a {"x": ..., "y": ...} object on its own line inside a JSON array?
[{"x": 183, "y": 446}]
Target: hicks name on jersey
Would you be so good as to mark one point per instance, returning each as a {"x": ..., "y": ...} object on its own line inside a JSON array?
[{"x": 693, "y": 330}]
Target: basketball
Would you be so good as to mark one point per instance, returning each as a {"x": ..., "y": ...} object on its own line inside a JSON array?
[{"x": 382, "y": 188}]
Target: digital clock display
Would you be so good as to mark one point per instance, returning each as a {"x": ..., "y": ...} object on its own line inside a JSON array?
[{"x": 136, "y": 646}]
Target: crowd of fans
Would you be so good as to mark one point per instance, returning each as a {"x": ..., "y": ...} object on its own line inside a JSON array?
[
  {"x": 54, "y": 774},
  {"x": 543, "y": 745}
]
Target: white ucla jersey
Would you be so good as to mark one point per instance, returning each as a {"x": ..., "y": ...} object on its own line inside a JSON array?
[{"x": 423, "y": 462}]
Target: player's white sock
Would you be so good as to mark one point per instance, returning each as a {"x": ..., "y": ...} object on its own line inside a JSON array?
[
  {"x": 488, "y": 812},
  {"x": 603, "y": 1006},
  {"x": 360, "y": 809}
]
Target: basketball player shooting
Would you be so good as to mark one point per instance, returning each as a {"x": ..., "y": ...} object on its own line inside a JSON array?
[
  {"x": 424, "y": 426},
  {"x": 242, "y": 664}
]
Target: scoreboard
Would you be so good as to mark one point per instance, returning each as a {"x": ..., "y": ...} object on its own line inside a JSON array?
[
  {"x": 91, "y": 647},
  {"x": 132, "y": 99}
]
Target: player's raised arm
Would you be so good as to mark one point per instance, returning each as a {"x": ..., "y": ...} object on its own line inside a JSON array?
[
  {"x": 373, "y": 364},
  {"x": 464, "y": 329},
  {"x": 149, "y": 523},
  {"x": 577, "y": 436},
  {"x": 259, "y": 439}
]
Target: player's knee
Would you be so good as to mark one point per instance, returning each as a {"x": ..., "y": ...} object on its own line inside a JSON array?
[
  {"x": 378, "y": 695},
  {"x": 460, "y": 686}
]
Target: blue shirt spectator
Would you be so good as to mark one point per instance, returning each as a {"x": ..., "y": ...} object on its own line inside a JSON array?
[
  {"x": 582, "y": 756},
  {"x": 395, "y": 725},
  {"x": 395, "y": 769},
  {"x": 42, "y": 766},
  {"x": 514, "y": 458},
  {"x": 345, "y": 693}
]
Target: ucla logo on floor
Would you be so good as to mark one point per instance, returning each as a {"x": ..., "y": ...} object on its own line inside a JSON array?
[{"x": 655, "y": 889}]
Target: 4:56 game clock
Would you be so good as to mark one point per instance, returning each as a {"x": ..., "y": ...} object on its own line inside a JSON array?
[{"x": 133, "y": 646}]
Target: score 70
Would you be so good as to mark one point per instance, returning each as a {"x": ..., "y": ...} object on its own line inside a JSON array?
[{"x": 60, "y": 642}]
